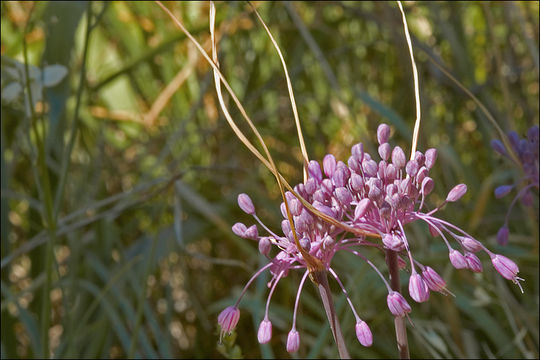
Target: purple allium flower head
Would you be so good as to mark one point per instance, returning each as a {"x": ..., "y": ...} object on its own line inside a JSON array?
[
  {"x": 418, "y": 288},
  {"x": 526, "y": 151},
  {"x": 370, "y": 197},
  {"x": 245, "y": 203},
  {"x": 456, "y": 193},
  {"x": 265, "y": 331},
  {"x": 397, "y": 304},
  {"x": 363, "y": 333},
  {"x": 228, "y": 319},
  {"x": 293, "y": 341}
]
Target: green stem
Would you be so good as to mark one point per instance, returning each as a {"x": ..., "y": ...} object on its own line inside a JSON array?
[
  {"x": 321, "y": 280},
  {"x": 399, "y": 321}
]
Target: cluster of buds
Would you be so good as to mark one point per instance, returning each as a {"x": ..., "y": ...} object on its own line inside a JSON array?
[
  {"x": 364, "y": 196},
  {"x": 526, "y": 150}
]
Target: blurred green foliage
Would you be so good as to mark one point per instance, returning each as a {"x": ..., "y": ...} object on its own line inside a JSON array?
[{"x": 118, "y": 189}]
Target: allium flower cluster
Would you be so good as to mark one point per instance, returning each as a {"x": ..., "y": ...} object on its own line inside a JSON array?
[
  {"x": 527, "y": 153},
  {"x": 364, "y": 196}
]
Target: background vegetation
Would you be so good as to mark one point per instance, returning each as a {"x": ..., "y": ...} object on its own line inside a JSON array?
[{"x": 119, "y": 188}]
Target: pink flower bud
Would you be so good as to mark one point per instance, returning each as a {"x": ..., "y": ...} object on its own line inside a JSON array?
[
  {"x": 344, "y": 196},
  {"x": 358, "y": 151},
  {"x": 252, "y": 232},
  {"x": 265, "y": 331},
  {"x": 264, "y": 245},
  {"x": 314, "y": 170},
  {"x": 456, "y": 193},
  {"x": 433, "y": 280},
  {"x": 239, "y": 229},
  {"x": 384, "y": 151},
  {"x": 411, "y": 168},
  {"x": 504, "y": 266},
  {"x": 363, "y": 333},
  {"x": 293, "y": 341},
  {"x": 473, "y": 262},
  {"x": 356, "y": 182},
  {"x": 311, "y": 186},
  {"x": 458, "y": 260},
  {"x": 470, "y": 244},
  {"x": 397, "y": 304},
  {"x": 398, "y": 157},
  {"x": 503, "y": 190},
  {"x": 245, "y": 203},
  {"x": 431, "y": 157},
  {"x": 393, "y": 242},
  {"x": 417, "y": 288},
  {"x": 502, "y": 235},
  {"x": 329, "y": 165},
  {"x": 383, "y": 133},
  {"x": 228, "y": 319},
  {"x": 427, "y": 185}
]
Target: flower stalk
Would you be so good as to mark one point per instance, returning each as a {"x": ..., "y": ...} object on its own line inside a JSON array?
[{"x": 399, "y": 321}]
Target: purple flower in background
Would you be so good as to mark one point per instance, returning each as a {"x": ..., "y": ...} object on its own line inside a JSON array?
[
  {"x": 526, "y": 150},
  {"x": 363, "y": 196}
]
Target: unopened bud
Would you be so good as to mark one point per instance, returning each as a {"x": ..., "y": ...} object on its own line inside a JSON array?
[
  {"x": 265, "y": 331},
  {"x": 418, "y": 289},
  {"x": 363, "y": 333},
  {"x": 456, "y": 193},
  {"x": 245, "y": 203},
  {"x": 293, "y": 341}
]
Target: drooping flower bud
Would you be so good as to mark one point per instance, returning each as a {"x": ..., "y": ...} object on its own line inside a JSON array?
[
  {"x": 506, "y": 267},
  {"x": 228, "y": 319},
  {"x": 370, "y": 168},
  {"x": 398, "y": 157},
  {"x": 427, "y": 185},
  {"x": 265, "y": 245},
  {"x": 473, "y": 262},
  {"x": 329, "y": 165},
  {"x": 293, "y": 341},
  {"x": 417, "y": 288},
  {"x": 245, "y": 203},
  {"x": 502, "y": 235},
  {"x": 456, "y": 193},
  {"x": 383, "y": 133},
  {"x": 265, "y": 331},
  {"x": 457, "y": 259},
  {"x": 503, "y": 190},
  {"x": 252, "y": 232},
  {"x": 363, "y": 333},
  {"x": 239, "y": 229},
  {"x": 431, "y": 157},
  {"x": 433, "y": 280},
  {"x": 397, "y": 304},
  {"x": 470, "y": 244}
]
